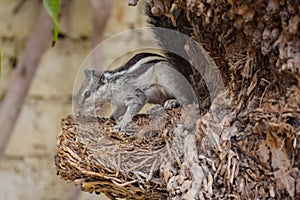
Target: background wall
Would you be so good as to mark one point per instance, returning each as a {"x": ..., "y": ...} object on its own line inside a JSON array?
[{"x": 27, "y": 170}]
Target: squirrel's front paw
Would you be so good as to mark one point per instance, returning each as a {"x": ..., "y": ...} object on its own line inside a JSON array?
[
  {"x": 171, "y": 103},
  {"x": 122, "y": 131},
  {"x": 117, "y": 128}
]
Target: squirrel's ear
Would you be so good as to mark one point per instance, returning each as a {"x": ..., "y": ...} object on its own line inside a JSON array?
[
  {"x": 87, "y": 73},
  {"x": 97, "y": 73}
]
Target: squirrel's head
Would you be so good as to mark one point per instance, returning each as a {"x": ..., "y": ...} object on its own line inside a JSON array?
[{"x": 93, "y": 93}]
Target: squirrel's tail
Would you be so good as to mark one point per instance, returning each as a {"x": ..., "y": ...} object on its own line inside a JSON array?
[{"x": 173, "y": 44}]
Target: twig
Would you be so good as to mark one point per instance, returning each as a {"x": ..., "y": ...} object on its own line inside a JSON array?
[
  {"x": 36, "y": 45},
  {"x": 119, "y": 164},
  {"x": 151, "y": 171},
  {"x": 124, "y": 184},
  {"x": 140, "y": 164},
  {"x": 84, "y": 171}
]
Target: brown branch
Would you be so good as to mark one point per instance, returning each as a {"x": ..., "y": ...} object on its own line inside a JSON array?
[{"x": 36, "y": 45}]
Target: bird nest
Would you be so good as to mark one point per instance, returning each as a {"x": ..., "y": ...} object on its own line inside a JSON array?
[{"x": 117, "y": 164}]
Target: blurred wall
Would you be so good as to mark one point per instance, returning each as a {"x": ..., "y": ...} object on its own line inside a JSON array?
[{"x": 27, "y": 170}]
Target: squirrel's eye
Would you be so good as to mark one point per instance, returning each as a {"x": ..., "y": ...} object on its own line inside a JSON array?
[{"x": 87, "y": 94}]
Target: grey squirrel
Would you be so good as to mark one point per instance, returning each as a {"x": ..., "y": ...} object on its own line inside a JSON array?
[{"x": 145, "y": 78}]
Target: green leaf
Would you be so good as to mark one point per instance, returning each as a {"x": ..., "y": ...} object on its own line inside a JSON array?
[{"x": 52, "y": 8}]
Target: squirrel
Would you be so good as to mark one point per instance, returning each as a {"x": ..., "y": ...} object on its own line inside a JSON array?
[
  {"x": 166, "y": 79},
  {"x": 145, "y": 78}
]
